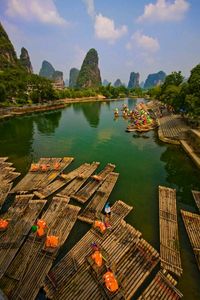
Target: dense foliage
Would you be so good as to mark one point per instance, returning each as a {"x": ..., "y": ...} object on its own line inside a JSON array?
[{"x": 183, "y": 96}]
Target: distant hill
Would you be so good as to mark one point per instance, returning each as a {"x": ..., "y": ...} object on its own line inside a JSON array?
[
  {"x": 134, "y": 80},
  {"x": 105, "y": 82},
  {"x": 73, "y": 75},
  {"x": 89, "y": 75},
  {"x": 117, "y": 83},
  {"x": 47, "y": 70},
  {"x": 154, "y": 79},
  {"x": 8, "y": 57},
  {"x": 25, "y": 60}
]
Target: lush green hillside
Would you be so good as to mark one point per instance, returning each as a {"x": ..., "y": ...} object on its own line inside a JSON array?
[{"x": 89, "y": 75}]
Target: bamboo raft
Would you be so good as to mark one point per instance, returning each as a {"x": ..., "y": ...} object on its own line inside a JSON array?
[
  {"x": 7, "y": 175},
  {"x": 94, "y": 208},
  {"x": 192, "y": 225},
  {"x": 196, "y": 196},
  {"x": 39, "y": 179},
  {"x": 63, "y": 180},
  {"x": 26, "y": 274},
  {"x": 88, "y": 190},
  {"x": 77, "y": 183},
  {"x": 75, "y": 258},
  {"x": 130, "y": 257},
  {"x": 22, "y": 215},
  {"x": 161, "y": 287},
  {"x": 169, "y": 240}
]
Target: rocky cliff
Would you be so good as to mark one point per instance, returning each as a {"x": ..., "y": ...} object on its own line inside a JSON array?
[
  {"x": 105, "y": 82},
  {"x": 73, "y": 75},
  {"x": 134, "y": 80},
  {"x": 89, "y": 75},
  {"x": 47, "y": 70},
  {"x": 117, "y": 83},
  {"x": 154, "y": 79},
  {"x": 8, "y": 57},
  {"x": 25, "y": 60}
]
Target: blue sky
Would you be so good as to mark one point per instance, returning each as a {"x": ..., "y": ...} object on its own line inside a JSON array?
[{"x": 143, "y": 36}]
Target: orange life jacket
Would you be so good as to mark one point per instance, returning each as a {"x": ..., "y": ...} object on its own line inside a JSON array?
[
  {"x": 51, "y": 241},
  {"x": 97, "y": 257},
  {"x": 100, "y": 225},
  {"x": 41, "y": 223},
  {"x": 44, "y": 167},
  {"x": 40, "y": 232},
  {"x": 56, "y": 166},
  {"x": 3, "y": 224},
  {"x": 34, "y": 167},
  {"x": 110, "y": 281}
]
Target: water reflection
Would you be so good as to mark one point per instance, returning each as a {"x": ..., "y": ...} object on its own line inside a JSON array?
[
  {"x": 16, "y": 140},
  {"x": 181, "y": 174},
  {"x": 91, "y": 111},
  {"x": 48, "y": 122}
]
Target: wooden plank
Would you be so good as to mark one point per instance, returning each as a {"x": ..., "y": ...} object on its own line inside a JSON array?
[
  {"x": 60, "y": 182},
  {"x": 77, "y": 183},
  {"x": 94, "y": 208},
  {"x": 196, "y": 195},
  {"x": 19, "y": 226},
  {"x": 4, "y": 191},
  {"x": 161, "y": 287},
  {"x": 38, "y": 179},
  {"x": 169, "y": 240},
  {"x": 192, "y": 225},
  {"x": 95, "y": 182}
]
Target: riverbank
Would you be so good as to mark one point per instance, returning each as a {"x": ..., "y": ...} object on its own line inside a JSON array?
[
  {"x": 174, "y": 130},
  {"x": 9, "y": 112}
]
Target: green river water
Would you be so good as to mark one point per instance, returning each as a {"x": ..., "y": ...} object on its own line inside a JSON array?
[{"x": 89, "y": 133}]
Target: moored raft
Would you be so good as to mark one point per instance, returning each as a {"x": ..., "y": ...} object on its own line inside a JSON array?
[
  {"x": 169, "y": 239},
  {"x": 129, "y": 256},
  {"x": 96, "y": 180},
  {"x": 99, "y": 199},
  {"x": 75, "y": 258},
  {"x": 21, "y": 216},
  {"x": 192, "y": 225},
  {"x": 42, "y": 173},
  {"x": 196, "y": 195},
  {"x": 59, "y": 183},
  {"x": 26, "y": 274},
  {"x": 161, "y": 287},
  {"x": 77, "y": 183}
]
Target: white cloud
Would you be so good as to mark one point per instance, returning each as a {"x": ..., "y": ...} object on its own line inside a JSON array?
[
  {"x": 144, "y": 42},
  {"x": 90, "y": 7},
  {"x": 43, "y": 11},
  {"x": 105, "y": 29},
  {"x": 164, "y": 10}
]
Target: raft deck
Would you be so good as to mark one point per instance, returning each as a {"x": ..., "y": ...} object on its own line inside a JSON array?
[
  {"x": 60, "y": 182},
  {"x": 161, "y": 287},
  {"x": 26, "y": 274},
  {"x": 38, "y": 179},
  {"x": 23, "y": 217},
  {"x": 94, "y": 208},
  {"x": 129, "y": 256},
  {"x": 169, "y": 240},
  {"x": 196, "y": 196},
  {"x": 192, "y": 225},
  {"x": 77, "y": 183},
  {"x": 88, "y": 190},
  {"x": 7, "y": 175}
]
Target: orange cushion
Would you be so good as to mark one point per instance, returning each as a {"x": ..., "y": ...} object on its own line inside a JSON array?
[
  {"x": 51, "y": 241},
  {"x": 3, "y": 224}
]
